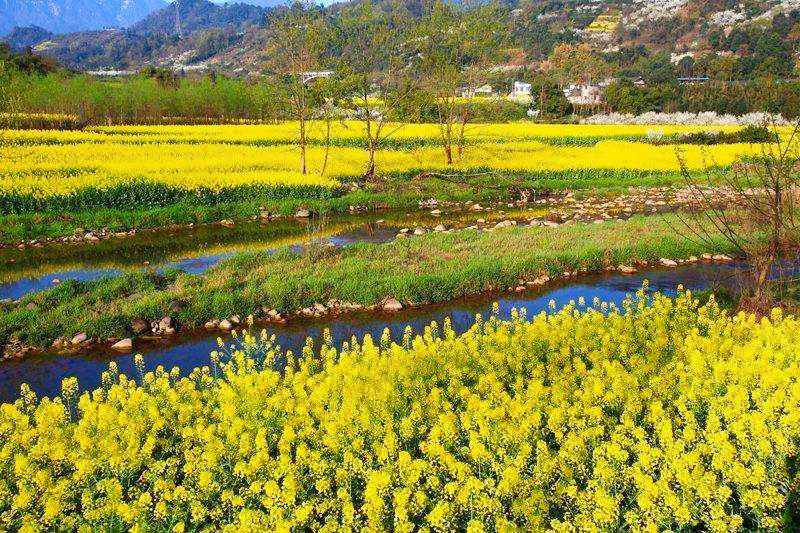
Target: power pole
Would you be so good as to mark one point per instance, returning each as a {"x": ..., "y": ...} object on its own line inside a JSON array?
[{"x": 178, "y": 18}]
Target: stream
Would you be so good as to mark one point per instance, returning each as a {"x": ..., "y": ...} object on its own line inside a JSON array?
[
  {"x": 197, "y": 249},
  {"x": 44, "y": 373}
]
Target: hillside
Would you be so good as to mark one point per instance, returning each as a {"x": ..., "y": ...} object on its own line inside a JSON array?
[
  {"x": 23, "y": 37},
  {"x": 103, "y": 49},
  {"x": 196, "y": 15},
  {"x": 623, "y": 32},
  {"x": 664, "y": 25},
  {"x": 206, "y": 30}
]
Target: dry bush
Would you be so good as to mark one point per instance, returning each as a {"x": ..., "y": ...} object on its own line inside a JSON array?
[{"x": 754, "y": 206}]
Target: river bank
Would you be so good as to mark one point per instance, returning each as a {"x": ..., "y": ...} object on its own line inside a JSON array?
[
  {"x": 37, "y": 265},
  {"x": 188, "y": 350},
  {"x": 194, "y": 250},
  {"x": 94, "y": 223},
  {"x": 322, "y": 280}
]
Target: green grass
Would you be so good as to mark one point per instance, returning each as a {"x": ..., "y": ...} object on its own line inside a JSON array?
[
  {"x": 148, "y": 194},
  {"x": 426, "y": 269}
]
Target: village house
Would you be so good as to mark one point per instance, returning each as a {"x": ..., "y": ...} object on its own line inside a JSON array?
[
  {"x": 521, "y": 89},
  {"x": 584, "y": 95}
]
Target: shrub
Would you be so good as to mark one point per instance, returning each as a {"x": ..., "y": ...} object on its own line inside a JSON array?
[
  {"x": 40, "y": 121},
  {"x": 748, "y": 134}
]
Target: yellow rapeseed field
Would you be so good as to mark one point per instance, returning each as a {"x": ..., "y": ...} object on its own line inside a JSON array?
[
  {"x": 61, "y": 163},
  {"x": 648, "y": 418},
  {"x": 355, "y": 130}
]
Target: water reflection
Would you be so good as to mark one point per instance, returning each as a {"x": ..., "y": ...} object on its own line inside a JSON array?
[{"x": 197, "y": 249}]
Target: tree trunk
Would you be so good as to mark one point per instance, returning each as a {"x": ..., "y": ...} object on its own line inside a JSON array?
[
  {"x": 448, "y": 153},
  {"x": 760, "y": 296},
  {"x": 448, "y": 139},
  {"x": 461, "y": 134},
  {"x": 370, "y": 173},
  {"x": 304, "y": 170},
  {"x": 327, "y": 146}
]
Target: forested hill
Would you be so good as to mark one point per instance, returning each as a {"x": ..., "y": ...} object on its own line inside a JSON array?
[
  {"x": 183, "y": 33},
  {"x": 23, "y": 37},
  {"x": 194, "y": 15}
]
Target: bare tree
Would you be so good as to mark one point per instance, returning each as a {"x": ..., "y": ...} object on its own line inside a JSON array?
[
  {"x": 296, "y": 46},
  {"x": 326, "y": 112},
  {"x": 373, "y": 68},
  {"x": 570, "y": 63},
  {"x": 474, "y": 78},
  {"x": 754, "y": 209},
  {"x": 456, "y": 45}
]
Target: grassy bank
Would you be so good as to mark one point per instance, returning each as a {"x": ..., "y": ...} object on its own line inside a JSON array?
[
  {"x": 161, "y": 246},
  {"x": 426, "y": 269},
  {"x": 128, "y": 208}
]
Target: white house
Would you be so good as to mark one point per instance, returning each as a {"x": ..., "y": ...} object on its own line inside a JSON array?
[
  {"x": 584, "y": 95},
  {"x": 521, "y": 89}
]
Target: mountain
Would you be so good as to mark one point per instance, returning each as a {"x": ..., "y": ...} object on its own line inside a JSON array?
[
  {"x": 669, "y": 25},
  {"x": 266, "y": 3},
  {"x": 193, "y": 15},
  {"x": 103, "y": 49},
  {"x": 206, "y": 30},
  {"x": 23, "y": 37},
  {"x": 62, "y": 16}
]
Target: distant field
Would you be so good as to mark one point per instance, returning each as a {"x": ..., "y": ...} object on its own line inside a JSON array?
[
  {"x": 353, "y": 131},
  {"x": 212, "y": 159},
  {"x": 54, "y": 182},
  {"x": 606, "y": 22}
]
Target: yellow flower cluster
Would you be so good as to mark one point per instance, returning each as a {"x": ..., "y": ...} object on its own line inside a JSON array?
[
  {"x": 657, "y": 417},
  {"x": 48, "y": 164},
  {"x": 58, "y": 170},
  {"x": 605, "y": 23},
  {"x": 342, "y": 130}
]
